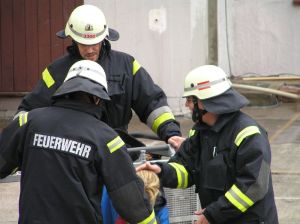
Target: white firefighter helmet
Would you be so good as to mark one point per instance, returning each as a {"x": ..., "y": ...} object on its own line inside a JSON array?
[
  {"x": 87, "y": 25},
  {"x": 211, "y": 85},
  {"x": 85, "y": 76},
  {"x": 205, "y": 82}
]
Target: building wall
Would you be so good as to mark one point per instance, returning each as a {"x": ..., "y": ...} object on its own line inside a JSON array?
[
  {"x": 170, "y": 37},
  {"x": 167, "y": 37},
  {"x": 28, "y": 44},
  {"x": 27, "y": 40},
  {"x": 259, "y": 37}
]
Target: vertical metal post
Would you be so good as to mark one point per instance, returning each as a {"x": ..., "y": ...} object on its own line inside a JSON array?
[{"x": 212, "y": 7}]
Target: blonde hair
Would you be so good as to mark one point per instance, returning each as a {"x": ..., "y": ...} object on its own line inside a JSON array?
[{"x": 151, "y": 184}]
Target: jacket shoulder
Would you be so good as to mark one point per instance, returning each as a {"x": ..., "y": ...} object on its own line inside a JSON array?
[
  {"x": 120, "y": 54},
  {"x": 243, "y": 120},
  {"x": 60, "y": 66},
  {"x": 121, "y": 57},
  {"x": 107, "y": 133}
]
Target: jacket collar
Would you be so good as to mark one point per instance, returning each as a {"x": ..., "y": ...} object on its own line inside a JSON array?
[
  {"x": 91, "y": 109},
  {"x": 220, "y": 123}
]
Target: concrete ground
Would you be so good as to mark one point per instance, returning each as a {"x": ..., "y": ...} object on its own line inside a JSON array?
[{"x": 283, "y": 124}]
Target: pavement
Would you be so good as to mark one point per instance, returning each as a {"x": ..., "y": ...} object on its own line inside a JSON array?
[{"x": 282, "y": 121}]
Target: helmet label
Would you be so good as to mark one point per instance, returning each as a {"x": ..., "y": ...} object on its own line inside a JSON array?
[
  {"x": 89, "y": 27},
  {"x": 86, "y": 35},
  {"x": 89, "y": 35}
]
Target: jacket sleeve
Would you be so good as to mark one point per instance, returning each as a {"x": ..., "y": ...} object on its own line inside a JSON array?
[
  {"x": 177, "y": 172},
  {"x": 11, "y": 146},
  {"x": 253, "y": 158},
  {"x": 150, "y": 104},
  {"x": 125, "y": 188}
]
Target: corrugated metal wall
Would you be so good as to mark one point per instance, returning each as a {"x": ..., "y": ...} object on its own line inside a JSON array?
[{"x": 27, "y": 39}]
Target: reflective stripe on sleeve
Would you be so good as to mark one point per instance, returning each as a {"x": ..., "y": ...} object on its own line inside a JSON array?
[
  {"x": 182, "y": 175},
  {"x": 191, "y": 133},
  {"x": 49, "y": 81},
  {"x": 150, "y": 220},
  {"x": 136, "y": 66},
  {"x": 115, "y": 144},
  {"x": 251, "y": 130},
  {"x": 159, "y": 116},
  {"x": 236, "y": 197},
  {"x": 23, "y": 119},
  {"x": 18, "y": 114}
]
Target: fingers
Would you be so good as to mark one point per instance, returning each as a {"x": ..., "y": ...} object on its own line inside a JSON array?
[
  {"x": 141, "y": 167},
  {"x": 176, "y": 141},
  {"x": 148, "y": 166},
  {"x": 200, "y": 212},
  {"x": 201, "y": 218}
]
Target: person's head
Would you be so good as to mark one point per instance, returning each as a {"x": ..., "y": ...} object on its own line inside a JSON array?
[
  {"x": 85, "y": 82},
  {"x": 88, "y": 28},
  {"x": 208, "y": 92},
  {"x": 151, "y": 184}
]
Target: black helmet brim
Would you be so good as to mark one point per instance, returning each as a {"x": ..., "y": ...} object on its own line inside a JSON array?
[{"x": 80, "y": 84}]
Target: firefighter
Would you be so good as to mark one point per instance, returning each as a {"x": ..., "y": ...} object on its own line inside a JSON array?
[
  {"x": 227, "y": 155},
  {"x": 66, "y": 154},
  {"x": 129, "y": 84}
]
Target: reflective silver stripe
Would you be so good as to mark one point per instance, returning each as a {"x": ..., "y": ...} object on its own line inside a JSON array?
[
  {"x": 251, "y": 130},
  {"x": 205, "y": 85},
  {"x": 136, "y": 66},
  {"x": 150, "y": 219},
  {"x": 191, "y": 133},
  {"x": 182, "y": 175},
  {"x": 240, "y": 200},
  {"x": 83, "y": 34},
  {"x": 115, "y": 144},
  {"x": 47, "y": 77},
  {"x": 156, "y": 113},
  {"x": 19, "y": 113},
  {"x": 23, "y": 119}
]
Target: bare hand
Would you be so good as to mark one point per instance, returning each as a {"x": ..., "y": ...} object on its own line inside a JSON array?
[
  {"x": 148, "y": 166},
  {"x": 201, "y": 218},
  {"x": 175, "y": 142}
]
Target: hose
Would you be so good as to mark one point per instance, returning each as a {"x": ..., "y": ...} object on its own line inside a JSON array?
[{"x": 267, "y": 90}]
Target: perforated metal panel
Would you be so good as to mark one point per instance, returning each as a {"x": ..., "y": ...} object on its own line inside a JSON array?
[{"x": 182, "y": 204}]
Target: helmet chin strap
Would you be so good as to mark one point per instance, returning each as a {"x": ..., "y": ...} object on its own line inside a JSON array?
[{"x": 197, "y": 113}]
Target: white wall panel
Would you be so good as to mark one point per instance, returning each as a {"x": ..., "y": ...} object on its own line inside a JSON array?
[{"x": 167, "y": 37}]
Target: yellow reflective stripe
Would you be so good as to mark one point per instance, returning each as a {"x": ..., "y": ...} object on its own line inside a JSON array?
[
  {"x": 136, "y": 67},
  {"x": 182, "y": 175},
  {"x": 244, "y": 197},
  {"x": 150, "y": 220},
  {"x": 49, "y": 81},
  {"x": 161, "y": 119},
  {"x": 23, "y": 119},
  {"x": 251, "y": 130},
  {"x": 191, "y": 133},
  {"x": 235, "y": 202},
  {"x": 238, "y": 199},
  {"x": 115, "y": 144}
]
